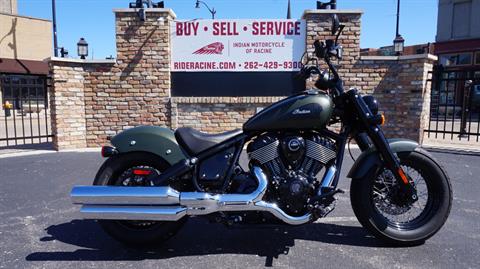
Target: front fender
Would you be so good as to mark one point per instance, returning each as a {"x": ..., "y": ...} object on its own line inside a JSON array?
[
  {"x": 157, "y": 140},
  {"x": 370, "y": 159}
]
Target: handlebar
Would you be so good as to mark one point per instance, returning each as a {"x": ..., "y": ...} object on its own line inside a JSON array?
[{"x": 325, "y": 50}]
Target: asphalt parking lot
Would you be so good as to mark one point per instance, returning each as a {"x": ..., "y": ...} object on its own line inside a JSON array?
[{"x": 39, "y": 228}]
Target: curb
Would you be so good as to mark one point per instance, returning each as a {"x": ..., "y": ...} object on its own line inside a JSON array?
[
  {"x": 452, "y": 150},
  {"x": 40, "y": 152}
]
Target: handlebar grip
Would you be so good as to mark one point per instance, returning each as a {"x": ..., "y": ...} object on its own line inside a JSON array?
[{"x": 319, "y": 49}]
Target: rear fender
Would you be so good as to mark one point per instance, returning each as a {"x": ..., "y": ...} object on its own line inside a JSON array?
[
  {"x": 370, "y": 158},
  {"x": 157, "y": 140}
]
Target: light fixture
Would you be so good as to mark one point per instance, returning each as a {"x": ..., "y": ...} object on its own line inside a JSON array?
[
  {"x": 82, "y": 48},
  {"x": 147, "y": 3},
  {"x": 142, "y": 4},
  {"x": 398, "y": 44},
  {"x": 332, "y": 4},
  {"x": 212, "y": 11},
  {"x": 63, "y": 52}
]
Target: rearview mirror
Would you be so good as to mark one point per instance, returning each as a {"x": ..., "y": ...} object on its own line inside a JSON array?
[{"x": 335, "y": 24}]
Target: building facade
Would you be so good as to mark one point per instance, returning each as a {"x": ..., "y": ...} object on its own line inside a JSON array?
[
  {"x": 458, "y": 33},
  {"x": 458, "y": 49},
  {"x": 25, "y": 44},
  {"x": 8, "y": 6}
]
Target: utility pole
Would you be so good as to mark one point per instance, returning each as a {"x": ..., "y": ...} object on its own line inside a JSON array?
[
  {"x": 398, "y": 16},
  {"x": 54, "y": 17},
  {"x": 289, "y": 12}
]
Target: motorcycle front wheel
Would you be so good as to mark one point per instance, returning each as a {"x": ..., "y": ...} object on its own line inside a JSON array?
[
  {"x": 381, "y": 209},
  {"x": 118, "y": 171}
]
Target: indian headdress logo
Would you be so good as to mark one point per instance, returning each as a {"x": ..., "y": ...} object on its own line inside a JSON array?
[{"x": 214, "y": 48}]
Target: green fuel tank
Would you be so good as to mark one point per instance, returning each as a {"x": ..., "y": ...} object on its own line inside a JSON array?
[{"x": 304, "y": 111}]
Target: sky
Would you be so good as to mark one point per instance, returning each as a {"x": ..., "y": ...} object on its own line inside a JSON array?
[{"x": 94, "y": 19}]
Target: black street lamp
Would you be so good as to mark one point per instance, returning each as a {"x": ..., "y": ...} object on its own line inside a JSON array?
[
  {"x": 54, "y": 21},
  {"x": 212, "y": 11},
  {"x": 332, "y": 4},
  {"x": 398, "y": 42},
  {"x": 82, "y": 48}
]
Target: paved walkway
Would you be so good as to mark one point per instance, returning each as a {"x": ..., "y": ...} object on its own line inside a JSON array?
[
  {"x": 455, "y": 144},
  {"x": 40, "y": 228}
]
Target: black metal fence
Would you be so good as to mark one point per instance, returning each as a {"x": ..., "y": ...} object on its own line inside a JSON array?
[
  {"x": 25, "y": 116},
  {"x": 455, "y": 104}
]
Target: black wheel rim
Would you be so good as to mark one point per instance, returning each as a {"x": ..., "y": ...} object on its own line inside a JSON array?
[
  {"x": 402, "y": 216},
  {"x": 127, "y": 178}
]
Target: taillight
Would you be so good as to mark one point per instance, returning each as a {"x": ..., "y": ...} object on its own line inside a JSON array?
[
  {"x": 141, "y": 172},
  {"x": 108, "y": 151}
]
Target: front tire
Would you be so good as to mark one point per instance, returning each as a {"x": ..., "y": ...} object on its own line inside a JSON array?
[
  {"x": 134, "y": 233},
  {"x": 392, "y": 222}
]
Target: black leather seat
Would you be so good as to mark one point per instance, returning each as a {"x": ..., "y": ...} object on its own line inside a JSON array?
[{"x": 194, "y": 141}]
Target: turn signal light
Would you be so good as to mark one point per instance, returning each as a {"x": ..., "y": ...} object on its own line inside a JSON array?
[
  {"x": 382, "y": 121},
  {"x": 378, "y": 119}
]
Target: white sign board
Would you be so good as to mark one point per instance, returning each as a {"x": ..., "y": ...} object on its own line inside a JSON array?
[{"x": 237, "y": 45}]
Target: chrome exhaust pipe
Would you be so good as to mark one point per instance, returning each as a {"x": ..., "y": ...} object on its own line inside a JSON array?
[
  {"x": 109, "y": 195},
  {"x": 133, "y": 212},
  {"x": 166, "y": 204}
]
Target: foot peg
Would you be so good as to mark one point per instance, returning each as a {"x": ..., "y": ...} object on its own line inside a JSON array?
[{"x": 323, "y": 204}]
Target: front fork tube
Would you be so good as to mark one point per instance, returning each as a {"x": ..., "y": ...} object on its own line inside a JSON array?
[
  {"x": 362, "y": 141},
  {"x": 378, "y": 139}
]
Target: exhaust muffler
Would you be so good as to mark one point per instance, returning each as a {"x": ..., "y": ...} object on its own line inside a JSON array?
[{"x": 166, "y": 204}]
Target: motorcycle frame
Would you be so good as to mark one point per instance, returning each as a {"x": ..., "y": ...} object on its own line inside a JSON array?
[{"x": 191, "y": 164}]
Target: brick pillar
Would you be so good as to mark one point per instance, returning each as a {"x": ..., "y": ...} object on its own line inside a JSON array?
[
  {"x": 67, "y": 105},
  {"x": 401, "y": 86},
  {"x": 94, "y": 99},
  {"x": 413, "y": 96},
  {"x": 319, "y": 24},
  {"x": 143, "y": 55}
]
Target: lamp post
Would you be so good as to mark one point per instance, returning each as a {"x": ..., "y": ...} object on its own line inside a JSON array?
[
  {"x": 398, "y": 42},
  {"x": 54, "y": 19},
  {"x": 82, "y": 48},
  {"x": 212, "y": 11}
]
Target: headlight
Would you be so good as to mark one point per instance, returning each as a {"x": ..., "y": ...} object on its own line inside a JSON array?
[{"x": 371, "y": 103}]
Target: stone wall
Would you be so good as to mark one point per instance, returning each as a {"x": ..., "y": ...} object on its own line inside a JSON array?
[
  {"x": 216, "y": 114},
  {"x": 401, "y": 86},
  {"x": 92, "y": 100}
]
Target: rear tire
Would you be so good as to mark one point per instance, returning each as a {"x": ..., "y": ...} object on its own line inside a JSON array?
[
  {"x": 129, "y": 232},
  {"x": 418, "y": 229}
]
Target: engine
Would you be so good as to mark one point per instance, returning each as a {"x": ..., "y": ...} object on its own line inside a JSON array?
[{"x": 292, "y": 163}]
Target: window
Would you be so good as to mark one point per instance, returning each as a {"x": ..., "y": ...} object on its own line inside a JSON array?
[
  {"x": 456, "y": 59},
  {"x": 461, "y": 19},
  {"x": 18, "y": 89},
  {"x": 477, "y": 57}
]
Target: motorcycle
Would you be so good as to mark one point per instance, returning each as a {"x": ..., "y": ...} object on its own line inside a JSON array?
[{"x": 155, "y": 179}]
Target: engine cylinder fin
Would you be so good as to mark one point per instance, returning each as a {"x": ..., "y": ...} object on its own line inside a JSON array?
[
  {"x": 266, "y": 153},
  {"x": 320, "y": 152}
]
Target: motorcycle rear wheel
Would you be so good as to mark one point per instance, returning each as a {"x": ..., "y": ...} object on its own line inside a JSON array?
[
  {"x": 134, "y": 233},
  {"x": 386, "y": 218}
]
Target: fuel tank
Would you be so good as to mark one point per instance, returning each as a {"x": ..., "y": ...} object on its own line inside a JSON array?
[{"x": 298, "y": 112}]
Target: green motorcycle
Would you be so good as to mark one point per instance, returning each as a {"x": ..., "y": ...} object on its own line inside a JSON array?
[{"x": 155, "y": 179}]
